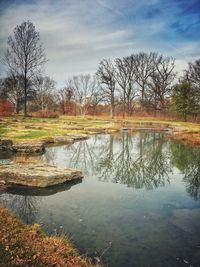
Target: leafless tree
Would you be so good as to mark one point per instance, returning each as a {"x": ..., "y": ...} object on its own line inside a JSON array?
[
  {"x": 85, "y": 88},
  {"x": 13, "y": 90},
  {"x": 44, "y": 92},
  {"x": 106, "y": 76},
  {"x": 193, "y": 75},
  {"x": 144, "y": 67},
  {"x": 193, "y": 72},
  {"x": 66, "y": 95},
  {"x": 124, "y": 75},
  {"x": 25, "y": 55},
  {"x": 160, "y": 82}
]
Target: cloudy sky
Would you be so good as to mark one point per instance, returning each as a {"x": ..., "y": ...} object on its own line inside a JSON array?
[{"x": 77, "y": 34}]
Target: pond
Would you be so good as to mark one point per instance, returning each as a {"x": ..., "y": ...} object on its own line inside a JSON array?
[{"x": 138, "y": 204}]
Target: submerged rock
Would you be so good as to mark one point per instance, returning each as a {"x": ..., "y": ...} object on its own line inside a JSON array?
[
  {"x": 36, "y": 175},
  {"x": 186, "y": 219},
  {"x": 29, "y": 147}
]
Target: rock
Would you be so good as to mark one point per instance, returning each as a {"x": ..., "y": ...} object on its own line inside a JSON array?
[
  {"x": 48, "y": 140},
  {"x": 96, "y": 130},
  {"x": 29, "y": 147},
  {"x": 111, "y": 130},
  {"x": 36, "y": 175},
  {"x": 187, "y": 219},
  {"x": 6, "y": 145},
  {"x": 38, "y": 191},
  {"x": 78, "y": 137},
  {"x": 63, "y": 140},
  {"x": 152, "y": 129}
]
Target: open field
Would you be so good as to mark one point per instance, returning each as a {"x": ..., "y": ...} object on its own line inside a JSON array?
[{"x": 19, "y": 129}]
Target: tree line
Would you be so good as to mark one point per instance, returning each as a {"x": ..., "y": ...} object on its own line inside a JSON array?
[{"x": 140, "y": 82}]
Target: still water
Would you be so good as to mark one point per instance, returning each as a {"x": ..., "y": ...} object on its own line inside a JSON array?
[{"x": 138, "y": 204}]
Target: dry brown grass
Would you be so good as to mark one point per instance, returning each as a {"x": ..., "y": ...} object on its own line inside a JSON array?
[{"x": 26, "y": 245}]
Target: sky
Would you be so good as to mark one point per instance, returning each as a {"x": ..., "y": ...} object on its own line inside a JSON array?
[{"x": 78, "y": 34}]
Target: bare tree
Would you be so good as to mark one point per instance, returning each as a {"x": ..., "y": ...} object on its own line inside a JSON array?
[
  {"x": 193, "y": 76},
  {"x": 144, "y": 67},
  {"x": 13, "y": 90},
  {"x": 85, "y": 88},
  {"x": 44, "y": 92},
  {"x": 25, "y": 55},
  {"x": 124, "y": 75},
  {"x": 66, "y": 96},
  {"x": 106, "y": 76},
  {"x": 160, "y": 82},
  {"x": 193, "y": 72}
]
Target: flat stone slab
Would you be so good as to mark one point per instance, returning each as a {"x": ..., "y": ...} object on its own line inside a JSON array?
[
  {"x": 77, "y": 137},
  {"x": 29, "y": 147},
  {"x": 36, "y": 175},
  {"x": 63, "y": 140},
  {"x": 151, "y": 129},
  {"x": 96, "y": 130}
]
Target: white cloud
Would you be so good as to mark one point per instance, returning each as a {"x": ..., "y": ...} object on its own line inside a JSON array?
[{"x": 77, "y": 34}]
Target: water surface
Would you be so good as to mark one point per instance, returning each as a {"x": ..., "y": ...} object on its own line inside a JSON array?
[{"x": 138, "y": 204}]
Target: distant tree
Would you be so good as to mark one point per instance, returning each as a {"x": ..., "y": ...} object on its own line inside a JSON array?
[
  {"x": 183, "y": 99},
  {"x": 106, "y": 76},
  {"x": 124, "y": 75},
  {"x": 66, "y": 97},
  {"x": 192, "y": 74},
  {"x": 85, "y": 88},
  {"x": 13, "y": 88},
  {"x": 160, "y": 83},
  {"x": 3, "y": 92},
  {"x": 25, "y": 55},
  {"x": 144, "y": 66},
  {"x": 44, "y": 93}
]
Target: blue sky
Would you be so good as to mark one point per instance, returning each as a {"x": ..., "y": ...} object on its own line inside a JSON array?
[{"x": 77, "y": 34}]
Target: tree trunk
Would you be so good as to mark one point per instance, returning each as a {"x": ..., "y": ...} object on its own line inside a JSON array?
[
  {"x": 25, "y": 94},
  {"x": 112, "y": 108}
]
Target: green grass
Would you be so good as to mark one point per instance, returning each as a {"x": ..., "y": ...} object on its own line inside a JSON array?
[{"x": 27, "y": 129}]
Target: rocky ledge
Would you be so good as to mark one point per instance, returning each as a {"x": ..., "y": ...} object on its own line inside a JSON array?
[
  {"x": 29, "y": 147},
  {"x": 69, "y": 138},
  {"x": 36, "y": 175}
]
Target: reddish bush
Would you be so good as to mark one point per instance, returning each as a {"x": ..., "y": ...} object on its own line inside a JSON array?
[
  {"x": 45, "y": 114},
  {"x": 6, "y": 107}
]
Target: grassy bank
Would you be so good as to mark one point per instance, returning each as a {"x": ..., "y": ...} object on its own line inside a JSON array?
[
  {"x": 19, "y": 129},
  {"x": 27, "y": 245}
]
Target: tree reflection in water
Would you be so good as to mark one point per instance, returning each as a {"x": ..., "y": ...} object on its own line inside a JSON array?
[
  {"x": 145, "y": 160},
  {"x": 187, "y": 160},
  {"x": 25, "y": 202},
  {"x": 138, "y": 162},
  {"x": 25, "y": 207}
]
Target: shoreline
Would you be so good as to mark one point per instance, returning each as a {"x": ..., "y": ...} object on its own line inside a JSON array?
[
  {"x": 27, "y": 245},
  {"x": 68, "y": 129}
]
